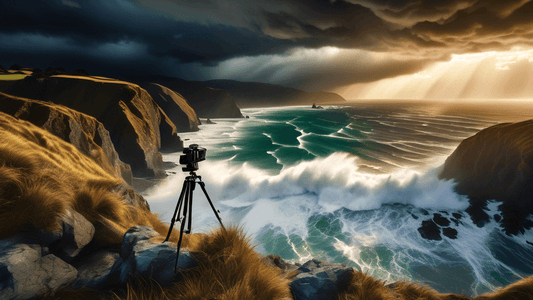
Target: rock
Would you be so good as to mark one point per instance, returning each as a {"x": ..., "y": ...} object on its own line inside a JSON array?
[
  {"x": 449, "y": 232},
  {"x": 25, "y": 273},
  {"x": 430, "y": 231},
  {"x": 440, "y": 220},
  {"x": 137, "y": 126},
  {"x": 95, "y": 268},
  {"x": 83, "y": 131},
  {"x": 77, "y": 233},
  {"x": 141, "y": 257},
  {"x": 255, "y": 94},
  {"x": 319, "y": 280},
  {"x": 277, "y": 261},
  {"x": 175, "y": 106}
]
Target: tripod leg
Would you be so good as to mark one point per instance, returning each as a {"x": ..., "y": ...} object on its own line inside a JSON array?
[
  {"x": 191, "y": 189},
  {"x": 202, "y": 185},
  {"x": 176, "y": 212},
  {"x": 181, "y": 233}
]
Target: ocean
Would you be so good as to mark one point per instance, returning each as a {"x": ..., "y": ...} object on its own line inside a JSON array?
[{"x": 352, "y": 184}]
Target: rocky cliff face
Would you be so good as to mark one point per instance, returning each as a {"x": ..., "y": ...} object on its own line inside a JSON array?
[
  {"x": 84, "y": 132},
  {"x": 255, "y": 94},
  {"x": 207, "y": 102},
  {"x": 175, "y": 106},
  {"x": 137, "y": 125},
  {"x": 496, "y": 164}
]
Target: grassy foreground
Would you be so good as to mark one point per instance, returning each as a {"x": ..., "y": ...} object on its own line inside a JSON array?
[{"x": 41, "y": 177}]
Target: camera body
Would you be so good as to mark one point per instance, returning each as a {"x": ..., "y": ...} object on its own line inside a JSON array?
[{"x": 191, "y": 156}]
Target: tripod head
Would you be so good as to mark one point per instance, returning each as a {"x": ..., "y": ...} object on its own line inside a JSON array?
[{"x": 192, "y": 156}]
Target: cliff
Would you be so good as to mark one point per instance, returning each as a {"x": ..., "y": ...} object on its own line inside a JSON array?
[
  {"x": 496, "y": 164},
  {"x": 84, "y": 132},
  {"x": 138, "y": 127},
  {"x": 255, "y": 94},
  {"x": 207, "y": 102},
  {"x": 175, "y": 106}
]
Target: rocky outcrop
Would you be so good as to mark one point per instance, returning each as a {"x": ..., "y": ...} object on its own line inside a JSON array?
[
  {"x": 207, "y": 102},
  {"x": 496, "y": 164},
  {"x": 315, "y": 279},
  {"x": 175, "y": 106},
  {"x": 137, "y": 126},
  {"x": 255, "y": 94},
  {"x": 35, "y": 262},
  {"x": 139, "y": 256},
  {"x": 84, "y": 132}
]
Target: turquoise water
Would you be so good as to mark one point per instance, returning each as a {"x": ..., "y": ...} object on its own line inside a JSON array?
[{"x": 352, "y": 184}]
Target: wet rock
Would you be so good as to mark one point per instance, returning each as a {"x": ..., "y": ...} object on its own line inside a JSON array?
[
  {"x": 449, "y": 232},
  {"x": 319, "y": 280},
  {"x": 440, "y": 220},
  {"x": 414, "y": 216},
  {"x": 430, "y": 231}
]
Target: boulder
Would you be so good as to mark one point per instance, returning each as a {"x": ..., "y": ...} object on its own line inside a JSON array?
[
  {"x": 139, "y": 256},
  {"x": 93, "y": 271},
  {"x": 84, "y": 132},
  {"x": 77, "y": 233},
  {"x": 496, "y": 164},
  {"x": 137, "y": 126},
  {"x": 320, "y": 280},
  {"x": 25, "y": 272},
  {"x": 175, "y": 106}
]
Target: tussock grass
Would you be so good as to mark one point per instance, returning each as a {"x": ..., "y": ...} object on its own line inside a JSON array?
[
  {"x": 42, "y": 176},
  {"x": 522, "y": 289}
]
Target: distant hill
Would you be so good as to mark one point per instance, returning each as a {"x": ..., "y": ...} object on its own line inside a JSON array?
[{"x": 255, "y": 94}]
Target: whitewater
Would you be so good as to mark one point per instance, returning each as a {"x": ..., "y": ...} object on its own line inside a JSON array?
[{"x": 352, "y": 184}]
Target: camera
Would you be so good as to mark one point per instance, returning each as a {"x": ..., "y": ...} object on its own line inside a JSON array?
[{"x": 191, "y": 156}]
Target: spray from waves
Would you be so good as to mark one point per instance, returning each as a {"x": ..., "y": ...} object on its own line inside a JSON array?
[{"x": 327, "y": 209}]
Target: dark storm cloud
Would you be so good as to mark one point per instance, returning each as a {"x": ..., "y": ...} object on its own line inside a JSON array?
[
  {"x": 84, "y": 25},
  {"x": 169, "y": 35}
]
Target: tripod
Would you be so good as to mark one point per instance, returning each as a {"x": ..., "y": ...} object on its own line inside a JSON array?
[{"x": 184, "y": 207}]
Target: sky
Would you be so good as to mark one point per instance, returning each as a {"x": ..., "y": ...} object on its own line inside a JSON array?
[{"x": 360, "y": 49}]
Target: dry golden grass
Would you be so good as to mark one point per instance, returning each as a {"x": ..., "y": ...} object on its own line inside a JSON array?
[{"x": 41, "y": 176}]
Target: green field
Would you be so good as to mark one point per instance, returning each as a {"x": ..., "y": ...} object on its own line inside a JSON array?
[{"x": 12, "y": 76}]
